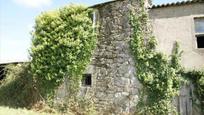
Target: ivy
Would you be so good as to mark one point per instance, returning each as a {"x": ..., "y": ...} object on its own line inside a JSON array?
[
  {"x": 62, "y": 45},
  {"x": 159, "y": 75}
]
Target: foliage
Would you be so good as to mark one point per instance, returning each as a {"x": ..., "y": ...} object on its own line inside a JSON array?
[
  {"x": 197, "y": 78},
  {"x": 159, "y": 75},
  {"x": 17, "y": 88},
  {"x": 62, "y": 46}
]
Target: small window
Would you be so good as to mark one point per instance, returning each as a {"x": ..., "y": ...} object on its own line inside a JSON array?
[
  {"x": 200, "y": 41},
  {"x": 199, "y": 29},
  {"x": 86, "y": 80}
]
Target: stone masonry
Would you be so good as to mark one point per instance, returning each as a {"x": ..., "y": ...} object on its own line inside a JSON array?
[{"x": 115, "y": 88}]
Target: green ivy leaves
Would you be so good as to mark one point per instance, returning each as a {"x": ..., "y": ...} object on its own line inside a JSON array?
[
  {"x": 62, "y": 45},
  {"x": 159, "y": 75}
]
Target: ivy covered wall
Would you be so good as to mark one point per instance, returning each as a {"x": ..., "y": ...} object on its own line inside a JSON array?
[{"x": 128, "y": 75}]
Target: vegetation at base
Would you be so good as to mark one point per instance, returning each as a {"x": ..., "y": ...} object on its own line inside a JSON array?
[
  {"x": 77, "y": 106},
  {"x": 62, "y": 46},
  {"x": 17, "y": 90}
]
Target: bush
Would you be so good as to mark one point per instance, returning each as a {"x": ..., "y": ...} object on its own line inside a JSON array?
[{"x": 17, "y": 88}]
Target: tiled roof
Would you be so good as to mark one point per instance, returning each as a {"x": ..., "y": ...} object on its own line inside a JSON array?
[
  {"x": 157, "y": 6},
  {"x": 177, "y": 3}
]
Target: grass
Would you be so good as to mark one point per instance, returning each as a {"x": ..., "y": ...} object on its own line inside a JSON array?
[{"x": 11, "y": 111}]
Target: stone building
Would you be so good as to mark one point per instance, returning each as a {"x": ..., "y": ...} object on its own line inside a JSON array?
[{"x": 110, "y": 78}]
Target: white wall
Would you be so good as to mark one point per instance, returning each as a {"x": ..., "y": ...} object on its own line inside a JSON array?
[{"x": 176, "y": 23}]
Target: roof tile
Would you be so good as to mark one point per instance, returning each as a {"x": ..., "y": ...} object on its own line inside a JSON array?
[{"x": 177, "y": 3}]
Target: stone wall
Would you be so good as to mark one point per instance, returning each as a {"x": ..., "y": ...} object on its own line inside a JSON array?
[{"x": 115, "y": 89}]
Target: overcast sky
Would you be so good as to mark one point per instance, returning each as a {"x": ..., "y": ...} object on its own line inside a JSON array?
[{"x": 16, "y": 21}]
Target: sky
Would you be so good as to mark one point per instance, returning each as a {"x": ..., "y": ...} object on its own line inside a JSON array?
[{"x": 17, "y": 18}]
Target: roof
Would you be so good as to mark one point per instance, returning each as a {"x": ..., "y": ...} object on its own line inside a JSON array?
[
  {"x": 184, "y": 2},
  {"x": 104, "y": 3},
  {"x": 177, "y": 3}
]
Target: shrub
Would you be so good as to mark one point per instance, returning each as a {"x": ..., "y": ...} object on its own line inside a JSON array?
[{"x": 17, "y": 88}]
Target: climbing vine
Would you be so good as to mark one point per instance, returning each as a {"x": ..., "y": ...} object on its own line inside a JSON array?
[
  {"x": 159, "y": 75},
  {"x": 62, "y": 45}
]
